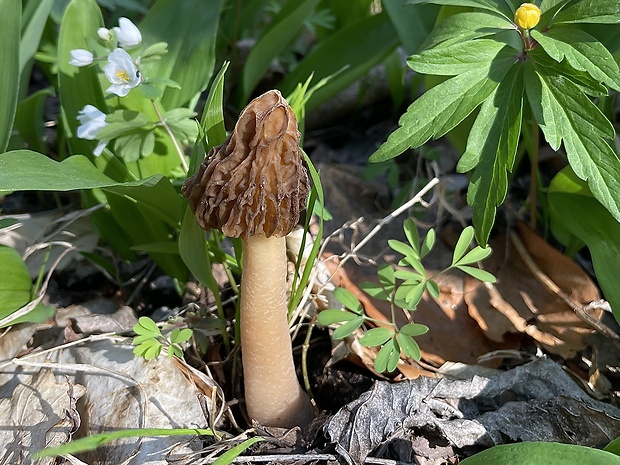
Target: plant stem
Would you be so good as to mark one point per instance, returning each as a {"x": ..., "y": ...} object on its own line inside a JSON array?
[
  {"x": 533, "y": 172},
  {"x": 177, "y": 147}
]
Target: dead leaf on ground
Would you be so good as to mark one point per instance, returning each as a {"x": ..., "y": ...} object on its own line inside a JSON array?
[{"x": 481, "y": 411}]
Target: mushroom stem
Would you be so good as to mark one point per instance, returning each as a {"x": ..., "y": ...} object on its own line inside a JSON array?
[{"x": 272, "y": 392}]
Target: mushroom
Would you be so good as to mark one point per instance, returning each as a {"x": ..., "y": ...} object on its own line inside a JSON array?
[{"x": 254, "y": 186}]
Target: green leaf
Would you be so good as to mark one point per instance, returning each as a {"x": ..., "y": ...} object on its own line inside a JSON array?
[
  {"x": 121, "y": 122},
  {"x": 414, "y": 293},
  {"x": 180, "y": 335},
  {"x": 411, "y": 233},
  {"x": 376, "y": 337},
  {"x": 475, "y": 255},
  {"x": 408, "y": 346},
  {"x": 375, "y": 290},
  {"x": 477, "y": 273},
  {"x": 346, "y": 298},
  {"x": 444, "y": 106},
  {"x": 282, "y": 29},
  {"x": 540, "y": 453},
  {"x": 404, "y": 249},
  {"x": 89, "y": 443},
  {"x": 79, "y": 86},
  {"x": 456, "y": 58},
  {"x": 159, "y": 48},
  {"x": 190, "y": 33},
  {"x": 566, "y": 114},
  {"x": 582, "y": 51},
  {"x": 146, "y": 326},
  {"x": 428, "y": 243},
  {"x": 433, "y": 288},
  {"x": 331, "y": 316},
  {"x": 232, "y": 453},
  {"x": 462, "y": 245},
  {"x": 385, "y": 273},
  {"x": 412, "y": 24},
  {"x": 491, "y": 149},
  {"x": 29, "y": 119},
  {"x": 466, "y": 26},
  {"x": 345, "y": 56},
  {"x": 411, "y": 276},
  {"x": 590, "y": 11},
  {"x": 499, "y": 6},
  {"x": 212, "y": 121},
  {"x": 15, "y": 282},
  {"x": 347, "y": 328},
  {"x": 571, "y": 203},
  {"x": 10, "y": 27},
  {"x": 413, "y": 329},
  {"x": 388, "y": 357},
  {"x": 613, "y": 447}
]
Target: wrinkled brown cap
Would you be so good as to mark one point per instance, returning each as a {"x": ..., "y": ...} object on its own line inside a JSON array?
[{"x": 255, "y": 182}]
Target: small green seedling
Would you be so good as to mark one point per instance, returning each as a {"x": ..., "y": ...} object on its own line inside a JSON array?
[
  {"x": 403, "y": 289},
  {"x": 150, "y": 340}
]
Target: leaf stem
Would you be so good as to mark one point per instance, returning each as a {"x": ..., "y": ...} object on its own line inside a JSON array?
[
  {"x": 177, "y": 147},
  {"x": 533, "y": 172}
]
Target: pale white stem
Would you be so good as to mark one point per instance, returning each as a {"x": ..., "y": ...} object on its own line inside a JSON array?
[{"x": 273, "y": 395}]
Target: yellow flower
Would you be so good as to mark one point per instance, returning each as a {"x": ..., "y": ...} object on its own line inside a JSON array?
[{"x": 527, "y": 16}]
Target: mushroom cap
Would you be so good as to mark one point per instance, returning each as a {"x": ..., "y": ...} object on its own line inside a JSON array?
[{"x": 255, "y": 183}]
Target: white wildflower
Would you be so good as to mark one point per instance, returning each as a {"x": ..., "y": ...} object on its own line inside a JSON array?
[
  {"x": 128, "y": 34},
  {"x": 122, "y": 72},
  {"x": 104, "y": 34},
  {"x": 81, "y": 57},
  {"x": 92, "y": 120}
]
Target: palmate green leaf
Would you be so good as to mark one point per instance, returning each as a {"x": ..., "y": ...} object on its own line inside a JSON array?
[
  {"x": 331, "y": 316},
  {"x": 409, "y": 252},
  {"x": 408, "y": 346},
  {"x": 411, "y": 233},
  {"x": 146, "y": 326},
  {"x": 376, "y": 337},
  {"x": 444, "y": 106},
  {"x": 571, "y": 203},
  {"x": 375, "y": 290},
  {"x": 180, "y": 335},
  {"x": 582, "y": 51},
  {"x": 567, "y": 115},
  {"x": 414, "y": 329},
  {"x": 10, "y": 23},
  {"x": 542, "y": 453},
  {"x": 590, "y": 11},
  {"x": 346, "y": 298},
  {"x": 462, "y": 244},
  {"x": 475, "y": 255},
  {"x": 491, "y": 149},
  {"x": 428, "y": 243},
  {"x": 347, "y": 328},
  {"x": 503, "y": 7},
  {"x": 466, "y": 26},
  {"x": 480, "y": 275},
  {"x": 433, "y": 288},
  {"x": 456, "y": 58},
  {"x": 388, "y": 357}
]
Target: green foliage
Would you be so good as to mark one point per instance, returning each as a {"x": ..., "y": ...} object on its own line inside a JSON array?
[
  {"x": 507, "y": 72},
  {"x": 10, "y": 23},
  {"x": 540, "y": 453},
  {"x": 403, "y": 289},
  {"x": 150, "y": 340},
  {"x": 577, "y": 217}
]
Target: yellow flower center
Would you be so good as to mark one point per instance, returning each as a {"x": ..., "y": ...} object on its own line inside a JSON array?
[
  {"x": 122, "y": 75},
  {"x": 527, "y": 16}
]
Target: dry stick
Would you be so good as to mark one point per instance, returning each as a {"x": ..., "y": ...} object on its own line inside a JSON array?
[
  {"x": 388, "y": 219},
  {"x": 553, "y": 288}
]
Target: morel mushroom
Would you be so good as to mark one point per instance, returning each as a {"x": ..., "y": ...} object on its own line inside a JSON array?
[{"x": 254, "y": 186}]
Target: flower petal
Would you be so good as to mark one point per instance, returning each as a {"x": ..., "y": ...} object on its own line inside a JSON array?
[
  {"x": 81, "y": 57},
  {"x": 128, "y": 34}
]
